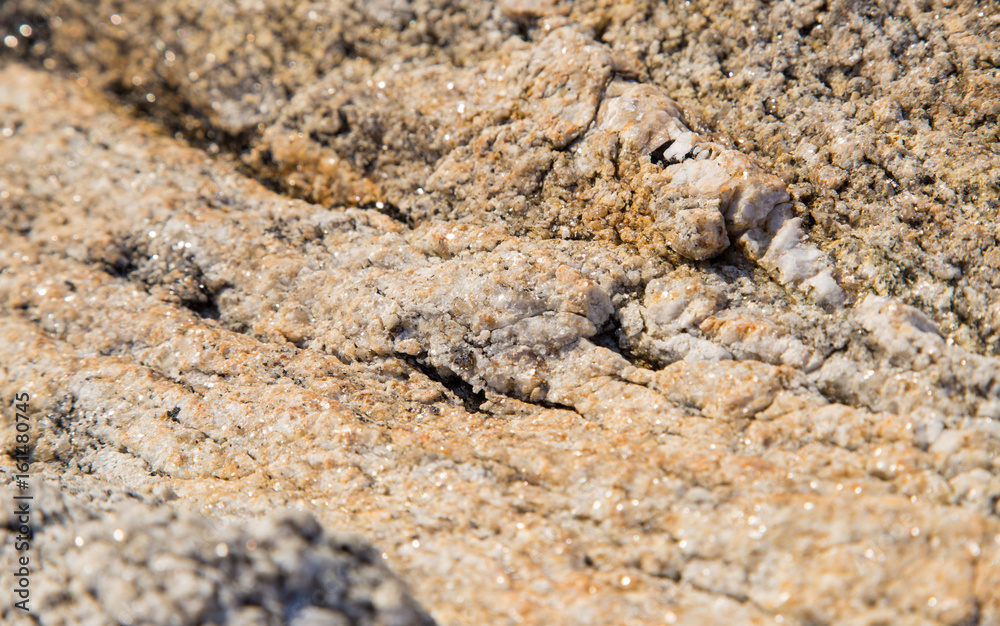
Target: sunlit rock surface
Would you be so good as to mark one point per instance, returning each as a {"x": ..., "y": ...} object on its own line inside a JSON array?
[{"x": 497, "y": 313}]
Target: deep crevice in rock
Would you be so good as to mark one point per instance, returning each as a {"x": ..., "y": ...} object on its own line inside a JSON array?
[
  {"x": 657, "y": 158},
  {"x": 392, "y": 211},
  {"x": 471, "y": 399},
  {"x": 205, "y": 309}
]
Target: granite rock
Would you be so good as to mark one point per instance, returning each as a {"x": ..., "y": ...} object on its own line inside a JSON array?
[
  {"x": 109, "y": 556},
  {"x": 577, "y": 312}
]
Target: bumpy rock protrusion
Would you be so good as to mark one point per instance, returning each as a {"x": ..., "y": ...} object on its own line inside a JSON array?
[{"x": 544, "y": 139}]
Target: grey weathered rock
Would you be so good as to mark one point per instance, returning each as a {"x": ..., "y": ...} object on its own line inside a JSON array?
[
  {"x": 106, "y": 556},
  {"x": 582, "y": 312}
]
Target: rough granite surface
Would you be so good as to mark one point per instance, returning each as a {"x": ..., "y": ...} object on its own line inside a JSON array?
[{"x": 535, "y": 311}]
